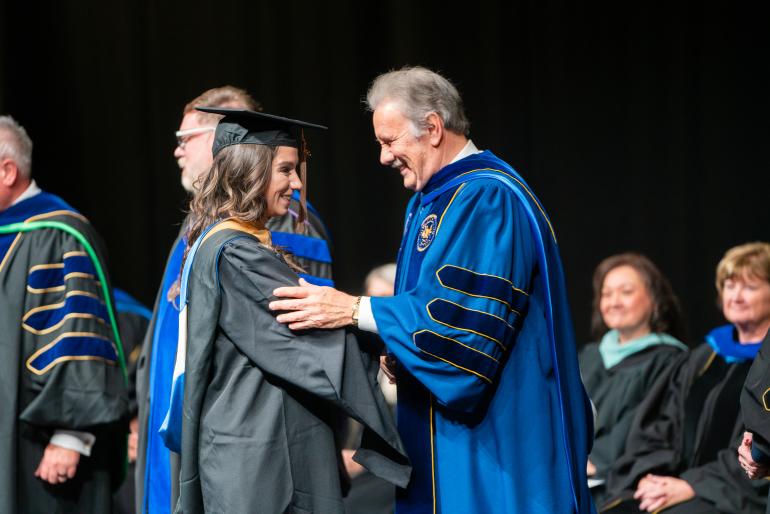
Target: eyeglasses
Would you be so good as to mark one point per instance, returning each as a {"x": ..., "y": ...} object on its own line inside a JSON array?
[{"x": 183, "y": 136}]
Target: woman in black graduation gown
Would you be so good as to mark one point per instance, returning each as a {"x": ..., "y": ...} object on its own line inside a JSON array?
[
  {"x": 261, "y": 403},
  {"x": 638, "y": 318},
  {"x": 680, "y": 454}
]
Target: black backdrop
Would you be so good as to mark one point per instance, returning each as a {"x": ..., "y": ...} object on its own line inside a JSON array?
[{"x": 641, "y": 127}]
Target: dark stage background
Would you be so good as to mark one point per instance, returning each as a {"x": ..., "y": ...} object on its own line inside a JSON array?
[{"x": 641, "y": 128}]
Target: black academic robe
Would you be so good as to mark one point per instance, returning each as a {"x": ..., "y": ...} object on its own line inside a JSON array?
[
  {"x": 261, "y": 402},
  {"x": 59, "y": 369},
  {"x": 755, "y": 398},
  {"x": 616, "y": 394},
  {"x": 755, "y": 401},
  {"x": 315, "y": 230},
  {"x": 689, "y": 427}
]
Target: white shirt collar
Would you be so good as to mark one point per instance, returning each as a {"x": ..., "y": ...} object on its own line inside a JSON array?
[
  {"x": 32, "y": 190},
  {"x": 468, "y": 149}
]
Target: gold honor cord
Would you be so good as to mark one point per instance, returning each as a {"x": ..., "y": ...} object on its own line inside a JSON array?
[{"x": 58, "y": 225}]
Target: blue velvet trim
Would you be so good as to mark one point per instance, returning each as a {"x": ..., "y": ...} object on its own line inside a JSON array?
[
  {"x": 481, "y": 323},
  {"x": 484, "y": 286},
  {"x": 318, "y": 281},
  {"x": 54, "y": 277},
  {"x": 453, "y": 352},
  {"x": 46, "y": 278},
  {"x": 306, "y": 247},
  {"x": 79, "y": 264},
  {"x": 77, "y": 304},
  {"x": 75, "y": 346}
]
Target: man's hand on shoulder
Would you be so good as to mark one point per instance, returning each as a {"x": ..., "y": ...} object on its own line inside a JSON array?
[
  {"x": 57, "y": 465},
  {"x": 308, "y": 306}
]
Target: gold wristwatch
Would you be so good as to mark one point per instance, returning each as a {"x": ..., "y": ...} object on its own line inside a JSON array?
[{"x": 354, "y": 314}]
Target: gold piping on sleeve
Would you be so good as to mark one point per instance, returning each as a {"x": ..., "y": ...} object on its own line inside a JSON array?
[
  {"x": 480, "y": 295},
  {"x": 60, "y": 304},
  {"x": 55, "y": 289},
  {"x": 38, "y": 267},
  {"x": 84, "y": 293},
  {"x": 78, "y": 274},
  {"x": 454, "y": 341},
  {"x": 70, "y": 358},
  {"x": 71, "y": 315},
  {"x": 75, "y": 253},
  {"x": 486, "y": 379},
  {"x": 430, "y": 314}
]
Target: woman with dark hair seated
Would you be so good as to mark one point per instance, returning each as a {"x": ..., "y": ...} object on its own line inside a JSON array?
[
  {"x": 261, "y": 403},
  {"x": 638, "y": 318},
  {"x": 680, "y": 455}
]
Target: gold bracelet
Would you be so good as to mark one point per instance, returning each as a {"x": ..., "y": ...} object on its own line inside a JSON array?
[{"x": 354, "y": 314}]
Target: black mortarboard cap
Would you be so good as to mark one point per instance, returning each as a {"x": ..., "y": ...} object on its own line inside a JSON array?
[{"x": 244, "y": 127}]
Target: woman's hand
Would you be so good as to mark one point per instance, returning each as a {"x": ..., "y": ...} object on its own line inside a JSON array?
[{"x": 656, "y": 492}]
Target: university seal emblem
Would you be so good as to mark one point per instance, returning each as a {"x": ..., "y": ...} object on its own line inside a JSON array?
[{"x": 427, "y": 232}]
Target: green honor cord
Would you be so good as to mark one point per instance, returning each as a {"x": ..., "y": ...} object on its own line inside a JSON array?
[{"x": 58, "y": 225}]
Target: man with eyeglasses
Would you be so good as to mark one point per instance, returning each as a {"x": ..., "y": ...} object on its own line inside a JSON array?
[{"x": 157, "y": 468}]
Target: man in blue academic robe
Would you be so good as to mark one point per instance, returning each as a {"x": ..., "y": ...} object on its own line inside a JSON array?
[{"x": 490, "y": 404}]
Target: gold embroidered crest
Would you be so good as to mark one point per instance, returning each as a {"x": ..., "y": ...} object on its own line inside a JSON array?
[{"x": 427, "y": 232}]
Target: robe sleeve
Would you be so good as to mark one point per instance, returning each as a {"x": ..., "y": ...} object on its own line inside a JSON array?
[
  {"x": 328, "y": 364},
  {"x": 70, "y": 363},
  {"x": 724, "y": 484},
  {"x": 610, "y": 444},
  {"x": 755, "y": 399},
  {"x": 649, "y": 447},
  {"x": 309, "y": 360},
  {"x": 452, "y": 328}
]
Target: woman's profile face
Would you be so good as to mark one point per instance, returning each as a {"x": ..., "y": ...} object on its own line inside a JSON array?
[
  {"x": 746, "y": 300},
  {"x": 625, "y": 303},
  {"x": 283, "y": 181}
]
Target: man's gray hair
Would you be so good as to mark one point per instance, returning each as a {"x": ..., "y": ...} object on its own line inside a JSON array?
[
  {"x": 418, "y": 92},
  {"x": 15, "y": 144}
]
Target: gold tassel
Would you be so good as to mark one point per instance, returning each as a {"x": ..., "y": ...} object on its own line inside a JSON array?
[{"x": 299, "y": 224}]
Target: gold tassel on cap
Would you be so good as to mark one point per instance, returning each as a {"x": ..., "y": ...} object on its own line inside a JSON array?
[{"x": 299, "y": 223}]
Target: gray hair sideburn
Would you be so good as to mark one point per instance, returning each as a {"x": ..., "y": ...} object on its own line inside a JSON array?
[
  {"x": 15, "y": 144},
  {"x": 419, "y": 91}
]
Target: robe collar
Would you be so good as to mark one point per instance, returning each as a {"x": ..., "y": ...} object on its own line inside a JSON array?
[
  {"x": 258, "y": 231},
  {"x": 613, "y": 352},
  {"x": 723, "y": 341},
  {"x": 451, "y": 170}
]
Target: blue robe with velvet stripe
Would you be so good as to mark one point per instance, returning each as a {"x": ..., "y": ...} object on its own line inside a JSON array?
[{"x": 490, "y": 404}]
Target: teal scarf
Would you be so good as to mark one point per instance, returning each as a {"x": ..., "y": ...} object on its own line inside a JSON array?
[{"x": 613, "y": 352}]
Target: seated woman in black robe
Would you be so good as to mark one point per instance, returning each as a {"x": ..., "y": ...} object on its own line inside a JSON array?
[
  {"x": 261, "y": 403},
  {"x": 638, "y": 318},
  {"x": 680, "y": 455}
]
